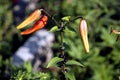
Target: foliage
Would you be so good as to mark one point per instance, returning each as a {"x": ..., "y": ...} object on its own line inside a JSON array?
[{"x": 103, "y": 61}]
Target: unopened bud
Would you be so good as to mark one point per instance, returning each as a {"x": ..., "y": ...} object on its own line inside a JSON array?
[{"x": 84, "y": 34}]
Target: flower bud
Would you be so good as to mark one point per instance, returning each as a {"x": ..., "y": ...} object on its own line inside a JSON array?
[
  {"x": 115, "y": 31},
  {"x": 84, "y": 34},
  {"x": 33, "y": 16}
]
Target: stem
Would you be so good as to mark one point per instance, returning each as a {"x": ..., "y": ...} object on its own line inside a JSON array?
[
  {"x": 61, "y": 42},
  {"x": 72, "y": 20},
  {"x": 61, "y": 35},
  {"x": 118, "y": 38},
  {"x": 62, "y": 50},
  {"x": 56, "y": 22}
]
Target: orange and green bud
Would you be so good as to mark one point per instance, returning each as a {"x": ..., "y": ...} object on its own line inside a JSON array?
[
  {"x": 115, "y": 31},
  {"x": 37, "y": 26},
  {"x": 35, "y": 15},
  {"x": 84, "y": 34}
]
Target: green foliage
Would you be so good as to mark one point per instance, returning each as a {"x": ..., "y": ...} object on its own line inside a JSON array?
[
  {"x": 73, "y": 62},
  {"x": 26, "y": 73},
  {"x": 70, "y": 31},
  {"x": 67, "y": 18},
  {"x": 103, "y": 61},
  {"x": 54, "y": 29},
  {"x": 70, "y": 76},
  {"x": 54, "y": 61},
  {"x": 23, "y": 75},
  {"x": 28, "y": 66}
]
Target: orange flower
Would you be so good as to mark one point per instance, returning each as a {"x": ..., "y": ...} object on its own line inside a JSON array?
[
  {"x": 84, "y": 34},
  {"x": 35, "y": 15},
  {"x": 38, "y": 25}
]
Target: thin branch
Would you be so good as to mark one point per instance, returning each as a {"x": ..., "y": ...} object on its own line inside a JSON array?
[
  {"x": 56, "y": 22},
  {"x": 73, "y": 20}
]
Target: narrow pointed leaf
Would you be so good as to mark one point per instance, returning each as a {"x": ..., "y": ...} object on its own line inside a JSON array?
[
  {"x": 54, "y": 61},
  {"x": 70, "y": 76},
  {"x": 73, "y": 62},
  {"x": 66, "y": 18},
  {"x": 71, "y": 31},
  {"x": 54, "y": 29}
]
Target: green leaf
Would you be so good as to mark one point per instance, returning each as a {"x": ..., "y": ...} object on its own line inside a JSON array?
[
  {"x": 54, "y": 61},
  {"x": 69, "y": 30},
  {"x": 70, "y": 76},
  {"x": 73, "y": 62},
  {"x": 66, "y": 46},
  {"x": 28, "y": 66},
  {"x": 66, "y": 18},
  {"x": 44, "y": 76},
  {"x": 53, "y": 29}
]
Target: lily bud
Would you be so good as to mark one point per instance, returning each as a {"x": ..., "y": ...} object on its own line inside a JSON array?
[
  {"x": 84, "y": 34},
  {"x": 37, "y": 26},
  {"x": 115, "y": 31},
  {"x": 33, "y": 16}
]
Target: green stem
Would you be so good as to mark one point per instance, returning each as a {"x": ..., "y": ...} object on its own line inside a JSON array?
[
  {"x": 61, "y": 42},
  {"x": 62, "y": 49}
]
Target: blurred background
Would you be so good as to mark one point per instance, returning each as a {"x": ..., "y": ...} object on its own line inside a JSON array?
[{"x": 103, "y": 61}]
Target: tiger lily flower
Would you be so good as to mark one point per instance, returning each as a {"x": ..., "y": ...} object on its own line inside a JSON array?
[
  {"x": 35, "y": 15},
  {"x": 84, "y": 34}
]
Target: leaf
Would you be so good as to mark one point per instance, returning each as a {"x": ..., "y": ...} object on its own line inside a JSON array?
[
  {"x": 39, "y": 76},
  {"x": 53, "y": 29},
  {"x": 54, "y": 61},
  {"x": 66, "y": 18},
  {"x": 108, "y": 39},
  {"x": 69, "y": 30},
  {"x": 28, "y": 66},
  {"x": 73, "y": 62},
  {"x": 66, "y": 46},
  {"x": 70, "y": 76},
  {"x": 44, "y": 76}
]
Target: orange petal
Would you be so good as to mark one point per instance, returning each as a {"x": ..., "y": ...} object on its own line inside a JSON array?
[
  {"x": 35, "y": 15},
  {"x": 84, "y": 34}
]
